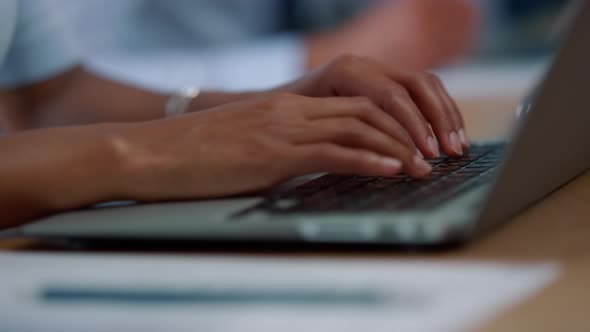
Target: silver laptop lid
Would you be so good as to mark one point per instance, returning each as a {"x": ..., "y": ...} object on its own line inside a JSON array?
[{"x": 552, "y": 144}]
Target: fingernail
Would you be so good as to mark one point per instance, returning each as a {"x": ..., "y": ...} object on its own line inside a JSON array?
[
  {"x": 391, "y": 163},
  {"x": 464, "y": 138},
  {"x": 455, "y": 144},
  {"x": 422, "y": 166},
  {"x": 433, "y": 147},
  {"x": 419, "y": 154}
]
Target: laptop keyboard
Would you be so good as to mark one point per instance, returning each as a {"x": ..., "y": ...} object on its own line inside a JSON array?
[{"x": 347, "y": 193}]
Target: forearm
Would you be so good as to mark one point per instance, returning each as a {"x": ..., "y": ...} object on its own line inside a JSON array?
[
  {"x": 52, "y": 170},
  {"x": 80, "y": 97}
]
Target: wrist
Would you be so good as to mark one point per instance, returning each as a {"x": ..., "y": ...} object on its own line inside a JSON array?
[
  {"x": 211, "y": 99},
  {"x": 125, "y": 164},
  {"x": 99, "y": 166},
  {"x": 59, "y": 169}
]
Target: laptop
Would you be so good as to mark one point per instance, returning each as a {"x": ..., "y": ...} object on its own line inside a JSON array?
[{"x": 461, "y": 199}]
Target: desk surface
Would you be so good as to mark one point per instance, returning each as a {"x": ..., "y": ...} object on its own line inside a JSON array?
[{"x": 556, "y": 229}]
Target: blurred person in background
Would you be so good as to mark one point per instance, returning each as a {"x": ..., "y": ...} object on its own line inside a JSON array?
[
  {"x": 260, "y": 43},
  {"x": 73, "y": 139},
  {"x": 266, "y": 42}
]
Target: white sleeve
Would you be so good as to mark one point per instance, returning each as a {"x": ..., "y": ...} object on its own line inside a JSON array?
[
  {"x": 41, "y": 46},
  {"x": 247, "y": 66}
]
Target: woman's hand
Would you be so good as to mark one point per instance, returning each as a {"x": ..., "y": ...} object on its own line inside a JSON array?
[
  {"x": 255, "y": 144},
  {"x": 350, "y": 116},
  {"x": 416, "y": 100},
  {"x": 235, "y": 148}
]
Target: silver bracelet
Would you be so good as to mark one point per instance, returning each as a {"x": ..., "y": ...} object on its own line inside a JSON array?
[{"x": 178, "y": 103}]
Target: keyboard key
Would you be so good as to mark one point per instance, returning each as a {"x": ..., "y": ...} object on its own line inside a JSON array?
[{"x": 338, "y": 193}]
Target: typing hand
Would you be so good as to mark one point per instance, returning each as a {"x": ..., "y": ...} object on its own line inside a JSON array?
[
  {"x": 255, "y": 144},
  {"x": 416, "y": 100}
]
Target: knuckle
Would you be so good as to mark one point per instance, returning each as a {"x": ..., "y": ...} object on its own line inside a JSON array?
[
  {"x": 427, "y": 76},
  {"x": 349, "y": 125},
  {"x": 398, "y": 91},
  {"x": 406, "y": 156},
  {"x": 364, "y": 161},
  {"x": 321, "y": 152},
  {"x": 278, "y": 100},
  {"x": 363, "y": 100},
  {"x": 342, "y": 67},
  {"x": 347, "y": 60},
  {"x": 403, "y": 152},
  {"x": 368, "y": 159},
  {"x": 422, "y": 79},
  {"x": 364, "y": 104},
  {"x": 433, "y": 77},
  {"x": 407, "y": 141}
]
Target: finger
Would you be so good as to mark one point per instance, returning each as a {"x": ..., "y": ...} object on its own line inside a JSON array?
[
  {"x": 398, "y": 103},
  {"x": 353, "y": 133},
  {"x": 424, "y": 90},
  {"x": 364, "y": 109},
  {"x": 332, "y": 158},
  {"x": 455, "y": 112},
  {"x": 395, "y": 100}
]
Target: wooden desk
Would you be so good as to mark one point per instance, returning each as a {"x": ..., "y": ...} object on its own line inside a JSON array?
[{"x": 557, "y": 229}]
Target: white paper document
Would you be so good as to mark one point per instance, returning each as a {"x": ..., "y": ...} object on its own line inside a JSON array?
[{"x": 56, "y": 292}]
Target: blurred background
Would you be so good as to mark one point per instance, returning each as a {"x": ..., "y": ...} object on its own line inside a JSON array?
[{"x": 253, "y": 44}]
